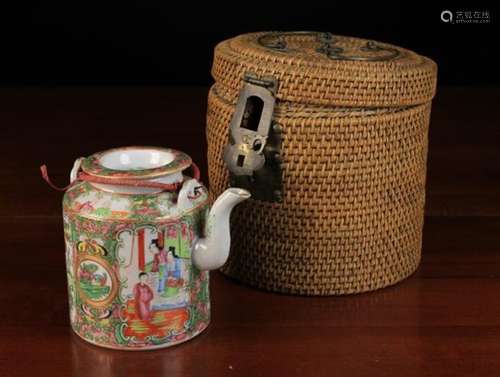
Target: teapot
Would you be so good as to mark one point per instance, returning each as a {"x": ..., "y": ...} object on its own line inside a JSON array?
[{"x": 140, "y": 239}]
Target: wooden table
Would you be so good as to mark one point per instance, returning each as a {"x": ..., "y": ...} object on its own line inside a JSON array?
[{"x": 443, "y": 321}]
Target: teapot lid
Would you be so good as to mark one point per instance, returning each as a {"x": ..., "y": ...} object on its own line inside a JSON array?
[{"x": 137, "y": 162}]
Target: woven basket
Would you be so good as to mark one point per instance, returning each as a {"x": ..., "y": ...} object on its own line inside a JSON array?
[{"x": 354, "y": 119}]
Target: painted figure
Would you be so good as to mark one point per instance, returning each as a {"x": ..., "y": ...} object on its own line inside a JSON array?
[
  {"x": 175, "y": 281},
  {"x": 143, "y": 295},
  {"x": 160, "y": 263},
  {"x": 174, "y": 264}
]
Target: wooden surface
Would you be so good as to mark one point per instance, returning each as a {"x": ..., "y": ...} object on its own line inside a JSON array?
[{"x": 442, "y": 321}]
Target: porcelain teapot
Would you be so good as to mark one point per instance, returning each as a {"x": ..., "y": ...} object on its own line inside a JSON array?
[{"x": 140, "y": 241}]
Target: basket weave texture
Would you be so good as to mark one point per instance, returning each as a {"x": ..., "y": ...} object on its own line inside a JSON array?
[{"x": 354, "y": 165}]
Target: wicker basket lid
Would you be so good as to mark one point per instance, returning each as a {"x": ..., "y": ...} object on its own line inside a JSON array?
[{"x": 325, "y": 69}]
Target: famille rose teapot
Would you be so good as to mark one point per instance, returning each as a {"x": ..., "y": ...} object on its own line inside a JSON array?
[{"x": 140, "y": 241}]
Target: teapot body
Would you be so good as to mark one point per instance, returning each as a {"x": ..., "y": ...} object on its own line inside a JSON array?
[{"x": 131, "y": 281}]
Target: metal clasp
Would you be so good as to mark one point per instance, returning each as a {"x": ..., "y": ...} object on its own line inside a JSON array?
[{"x": 253, "y": 153}]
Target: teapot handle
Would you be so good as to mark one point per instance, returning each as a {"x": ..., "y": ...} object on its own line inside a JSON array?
[
  {"x": 191, "y": 189},
  {"x": 73, "y": 175}
]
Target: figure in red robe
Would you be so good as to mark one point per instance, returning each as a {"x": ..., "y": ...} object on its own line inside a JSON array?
[{"x": 143, "y": 296}]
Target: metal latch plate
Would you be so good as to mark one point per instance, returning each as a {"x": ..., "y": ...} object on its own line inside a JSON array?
[{"x": 253, "y": 153}]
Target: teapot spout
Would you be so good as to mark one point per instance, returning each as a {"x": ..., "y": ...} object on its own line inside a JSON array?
[{"x": 212, "y": 251}]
